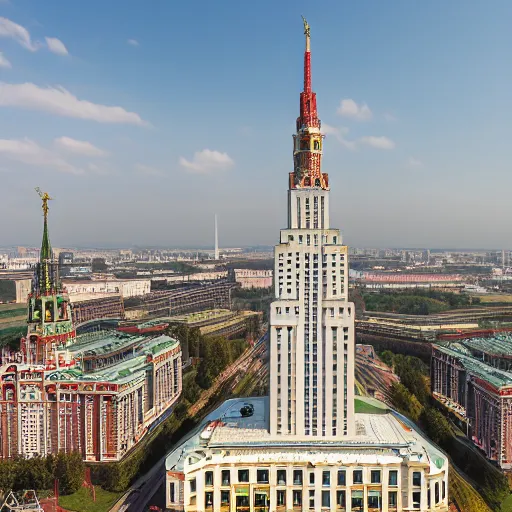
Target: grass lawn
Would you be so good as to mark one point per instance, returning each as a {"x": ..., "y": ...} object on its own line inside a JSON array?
[
  {"x": 81, "y": 501},
  {"x": 506, "y": 506},
  {"x": 498, "y": 297}
]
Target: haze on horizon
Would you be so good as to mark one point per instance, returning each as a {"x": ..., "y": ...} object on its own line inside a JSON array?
[{"x": 144, "y": 122}]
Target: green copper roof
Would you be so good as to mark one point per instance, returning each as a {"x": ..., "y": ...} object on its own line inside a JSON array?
[{"x": 494, "y": 376}]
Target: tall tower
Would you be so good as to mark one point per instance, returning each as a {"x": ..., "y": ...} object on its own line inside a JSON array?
[
  {"x": 216, "y": 240},
  {"x": 50, "y": 328},
  {"x": 311, "y": 320}
]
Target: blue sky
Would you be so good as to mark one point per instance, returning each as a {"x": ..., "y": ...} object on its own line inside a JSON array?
[{"x": 414, "y": 96}]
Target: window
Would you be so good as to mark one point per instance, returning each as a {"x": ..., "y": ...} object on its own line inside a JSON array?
[
  {"x": 281, "y": 477},
  {"x": 208, "y": 499},
  {"x": 172, "y": 497},
  {"x": 326, "y": 478},
  {"x": 242, "y": 501},
  {"x": 444, "y": 490},
  {"x": 416, "y": 499},
  {"x": 243, "y": 475},
  {"x": 193, "y": 485},
  {"x": 436, "y": 492},
  {"x": 342, "y": 477},
  {"x": 208, "y": 478},
  {"x": 357, "y": 477},
  {"x": 311, "y": 478},
  {"x": 375, "y": 476},
  {"x": 297, "y": 498},
  {"x": 260, "y": 499},
  {"x": 392, "y": 499},
  {"x": 312, "y": 499},
  {"x": 393, "y": 477},
  {"x": 297, "y": 477},
  {"x": 416, "y": 478},
  {"x": 226, "y": 477},
  {"x": 224, "y": 497},
  {"x": 262, "y": 476},
  {"x": 326, "y": 499},
  {"x": 357, "y": 500},
  {"x": 374, "y": 499},
  {"x": 341, "y": 500},
  {"x": 281, "y": 498}
]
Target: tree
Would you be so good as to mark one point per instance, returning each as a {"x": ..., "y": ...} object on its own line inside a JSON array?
[
  {"x": 387, "y": 357},
  {"x": 405, "y": 402},
  {"x": 8, "y": 473},
  {"x": 70, "y": 471},
  {"x": 437, "y": 426}
]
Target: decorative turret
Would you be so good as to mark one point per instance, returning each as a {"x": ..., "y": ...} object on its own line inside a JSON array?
[
  {"x": 307, "y": 143},
  {"x": 50, "y": 328}
]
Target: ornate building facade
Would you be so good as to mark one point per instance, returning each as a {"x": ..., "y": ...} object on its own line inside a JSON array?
[
  {"x": 311, "y": 445},
  {"x": 97, "y": 393},
  {"x": 473, "y": 378}
]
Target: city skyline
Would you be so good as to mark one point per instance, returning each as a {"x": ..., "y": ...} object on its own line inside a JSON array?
[{"x": 416, "y": 148}]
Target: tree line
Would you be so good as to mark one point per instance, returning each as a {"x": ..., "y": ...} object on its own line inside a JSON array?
[
  {"x": 418, "y": 302},
  {"x": 39, "y": 473}
]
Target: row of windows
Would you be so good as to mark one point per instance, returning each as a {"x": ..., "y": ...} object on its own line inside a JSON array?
[
  {"x": 374, "y": 498},
  {"x": 262, "y": 477},
  {"x": 261, "y": 499}
]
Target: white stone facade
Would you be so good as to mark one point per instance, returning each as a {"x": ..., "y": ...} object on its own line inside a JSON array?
[
  {"x": 249, "y": 278},
  {"x": 125, "y": 288}
]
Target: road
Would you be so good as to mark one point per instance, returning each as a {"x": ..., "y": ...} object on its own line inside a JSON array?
[{"x": 140, "y": 493}]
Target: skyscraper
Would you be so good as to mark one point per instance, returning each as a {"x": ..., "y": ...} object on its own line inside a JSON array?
[
  {"x": 312, "y": 445},
  {"x": 312, "y": 322},
  {"x": 216, "y": 256}
]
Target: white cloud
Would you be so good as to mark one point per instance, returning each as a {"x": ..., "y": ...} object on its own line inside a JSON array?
[
  {"x": 339, "y": 133},
  {"x": 29, "y": 152},
  {"x": 56, "y": 46},
  {"x": 4, "y": 63},
  {"x": 59, "y": 101},
  {"x": 81, "y": 147},
  {"x": 18, "y": 33},
  {"x": 206, "y": 161},
  {"x": 377, "y": 142},
  {"x": 133, "y": 42},
  {"x": 148, "y": 171},
  {"x": 390, "y": 117},
  {"x": 101, "y": 170},
  {"x": 349, "y": 108},
  {"x": 414, "y": 163}
]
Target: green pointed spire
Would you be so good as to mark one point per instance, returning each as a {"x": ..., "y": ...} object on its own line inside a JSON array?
[
  {"x": 46, "y": 248},
  {"x": 45, "y": 278}
]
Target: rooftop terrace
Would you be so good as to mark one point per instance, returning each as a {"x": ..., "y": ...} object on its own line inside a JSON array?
[{"x": 382, "y": 436}]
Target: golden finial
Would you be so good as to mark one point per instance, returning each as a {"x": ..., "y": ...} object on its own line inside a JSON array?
[
  {"x": 307, "y": 32},
  {"x": 45, "y": 197}
]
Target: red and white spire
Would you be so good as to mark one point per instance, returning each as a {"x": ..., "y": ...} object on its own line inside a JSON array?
[{"x": 307, "y": 151}]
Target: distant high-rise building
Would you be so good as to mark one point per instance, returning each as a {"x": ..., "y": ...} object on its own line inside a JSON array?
[
  {"x": 216, "y": 239},
  {"x": 65, "y": 258}
]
